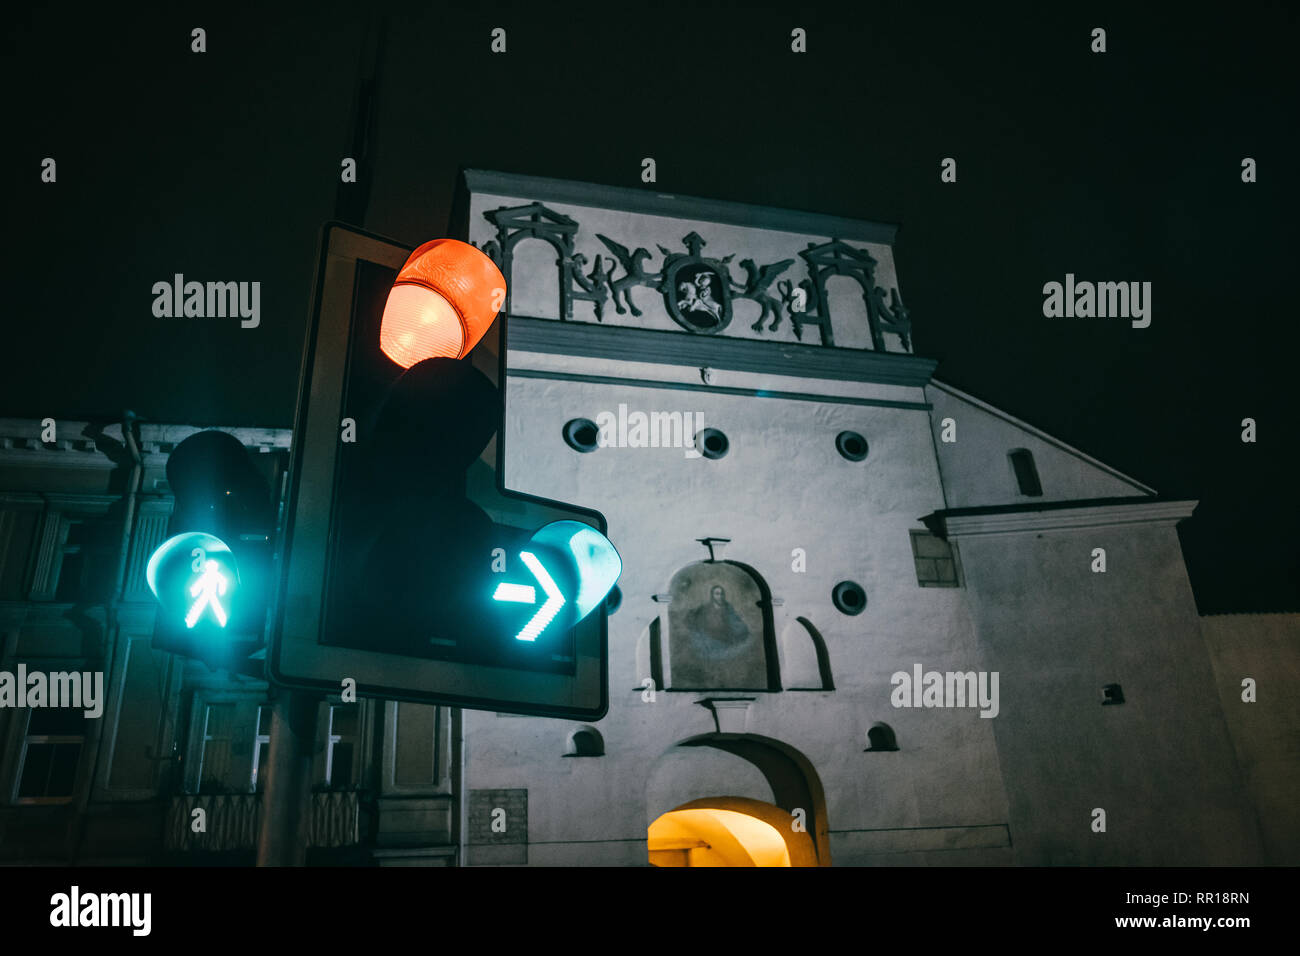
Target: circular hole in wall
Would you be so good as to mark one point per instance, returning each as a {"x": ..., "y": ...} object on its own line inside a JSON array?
[
  {"x": 711, "y": 443},
  {"x": 851, "y": 445},
  {"x": 581, "y": 434},
  {"x": 849, "y": 597}
]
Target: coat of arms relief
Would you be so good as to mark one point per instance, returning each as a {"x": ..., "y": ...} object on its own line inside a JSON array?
[{"x": 698, "y": 290}]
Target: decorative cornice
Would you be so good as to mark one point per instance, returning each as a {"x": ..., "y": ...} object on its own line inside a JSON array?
[
  {"x": 1282, "y": 614},
  {"x": 1057, "y": 516},
  {"x": 21, "y": 501},
  {"x": 699, "y": 351},
  {"x": 84, "y": 503},
  {"x": 631, "y": 382},
  {"x": 21, "y": 445},
  {"x": 655, "y": 203},
  {"x": 1251, "y": 614}
]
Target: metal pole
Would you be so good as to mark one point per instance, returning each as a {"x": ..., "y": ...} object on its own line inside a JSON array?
[
  {"x": 351, "y": 199},
  {"x": 286, "y": 802}
]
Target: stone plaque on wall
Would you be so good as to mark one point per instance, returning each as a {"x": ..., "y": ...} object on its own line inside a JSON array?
[{"x": 498, "y": 827}]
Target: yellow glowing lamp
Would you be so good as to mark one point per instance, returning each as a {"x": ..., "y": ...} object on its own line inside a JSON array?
[{"x": 443, "y": 300}]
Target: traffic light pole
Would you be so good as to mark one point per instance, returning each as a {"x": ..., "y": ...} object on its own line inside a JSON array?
[{"x": 286, "y": 802}]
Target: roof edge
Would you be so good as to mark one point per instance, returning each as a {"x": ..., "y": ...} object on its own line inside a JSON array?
[
  {"x": 1057, "y": 515},
  {"x": 653, "y": 201},
  {"x": 1042, "y": 435}
]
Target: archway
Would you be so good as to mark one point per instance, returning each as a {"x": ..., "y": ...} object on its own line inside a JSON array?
[
  {"x": 720, "y": 799},
  {"x": 711, "y": 836}
]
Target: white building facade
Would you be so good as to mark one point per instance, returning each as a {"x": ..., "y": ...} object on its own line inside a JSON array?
[{"x": 842, "y": 518}]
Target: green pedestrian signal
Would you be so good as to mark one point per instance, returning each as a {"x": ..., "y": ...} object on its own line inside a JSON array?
[
  {"x": 195, "y": 578},
  {"x": 213, "y": 576}
]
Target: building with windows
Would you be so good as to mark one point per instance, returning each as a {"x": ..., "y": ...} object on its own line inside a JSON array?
[
  {"x": 77, "y": 525},
  {"x": 864, "y": 617}
]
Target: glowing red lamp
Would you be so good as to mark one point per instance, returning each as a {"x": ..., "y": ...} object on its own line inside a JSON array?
[{"x": 443, "y": 300}]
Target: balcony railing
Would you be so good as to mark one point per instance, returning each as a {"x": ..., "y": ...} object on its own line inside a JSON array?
[{"x": 232, "y": 821}]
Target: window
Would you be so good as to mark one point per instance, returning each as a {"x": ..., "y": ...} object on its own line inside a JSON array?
[
  {"x": 340, "y": 745},
  {"x": 261, "y": 747},
  {"x": 19, "y": 520},
  {"x": 1022, "y": 463},
  {"x": 936, "y": 565},
  {"x": 83, "y": 561},
  {"x": 230, "y": 742},
  {"x": 216, "y": 746},
  {"x": 72, "y": 568},
  {"x": 51, "y": 754},
  {"x": 86, "y": 560}
]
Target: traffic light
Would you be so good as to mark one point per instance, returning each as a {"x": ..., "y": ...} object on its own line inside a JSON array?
[
  {"x": 212, "y": 576},
  {"x": 410, "y": 568},
  {"x": 414, "y": 562}
]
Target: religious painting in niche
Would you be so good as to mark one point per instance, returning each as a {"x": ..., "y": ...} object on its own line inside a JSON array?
[{"x": 716, "y": 629}]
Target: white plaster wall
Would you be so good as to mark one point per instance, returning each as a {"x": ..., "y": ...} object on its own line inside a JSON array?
[
  {"x": 1264, "y": 733},
  {"x": 782, "y": 485},
  {"x": 1161, "y": 764},
  {"x": 976, "y": 470}
]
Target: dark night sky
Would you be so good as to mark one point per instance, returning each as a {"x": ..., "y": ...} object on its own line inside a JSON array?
[{"x": 1122, "y": 166}]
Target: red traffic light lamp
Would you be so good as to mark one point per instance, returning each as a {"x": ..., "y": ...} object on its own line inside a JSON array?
[{"x": 443, "y": 300}]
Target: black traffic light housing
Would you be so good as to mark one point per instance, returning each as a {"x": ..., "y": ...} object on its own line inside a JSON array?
[
  {"x": 410, "y": 539},
  {"x": 219, "y": 492},
  {"x": 400, "y": 534}
]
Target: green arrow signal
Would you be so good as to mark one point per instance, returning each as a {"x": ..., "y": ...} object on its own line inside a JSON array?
[{"x": 524, "y": 594}]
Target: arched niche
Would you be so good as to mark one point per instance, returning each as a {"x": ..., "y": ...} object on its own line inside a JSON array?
[
  {"x": 881, "y": 739},
  {"x": 805, "y": 663},
  {"x": 846, "y": 301},
  {"x": 536, "y": 276},
  {"x": 585, "y": 741},
  {"x": 650, "y": 656}
]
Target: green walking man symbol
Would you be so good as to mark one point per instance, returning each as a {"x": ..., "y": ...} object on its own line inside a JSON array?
[{"x": 210, "y": 586}]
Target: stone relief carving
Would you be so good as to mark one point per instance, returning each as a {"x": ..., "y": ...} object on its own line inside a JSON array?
[{"x": 699, "y": 290}]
